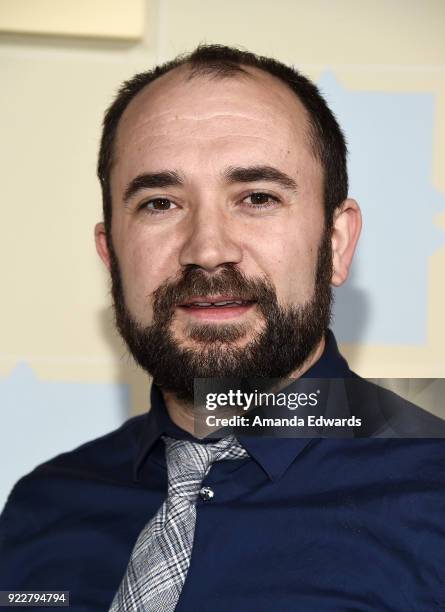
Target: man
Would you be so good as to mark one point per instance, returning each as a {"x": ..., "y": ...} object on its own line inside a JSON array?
[{"x": 226, "y": 221}]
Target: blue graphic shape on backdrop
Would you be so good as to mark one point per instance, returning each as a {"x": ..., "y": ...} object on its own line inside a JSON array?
[
  {"x": 41, "y": 419},
  {"x": 390, "y": 141}
]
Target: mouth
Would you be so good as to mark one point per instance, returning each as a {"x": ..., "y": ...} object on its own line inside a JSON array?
[{"x": 220, "y": 307}]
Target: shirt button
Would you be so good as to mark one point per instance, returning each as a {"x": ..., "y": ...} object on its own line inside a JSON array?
[{"x": 206, "y": 493}]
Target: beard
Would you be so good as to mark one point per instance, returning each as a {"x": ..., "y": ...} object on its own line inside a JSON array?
[{"x": 287, "y": 338}]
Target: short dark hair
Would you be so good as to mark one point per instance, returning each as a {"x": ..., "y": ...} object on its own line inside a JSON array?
[{"x": 219, "y": 61}]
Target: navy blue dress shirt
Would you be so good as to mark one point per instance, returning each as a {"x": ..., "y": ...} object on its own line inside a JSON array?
[{"x": 308, "y": 525}]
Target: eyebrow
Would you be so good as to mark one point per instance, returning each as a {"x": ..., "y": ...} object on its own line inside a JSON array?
[
  {"x": 233, "y": 174},
  {"x": 152, "y": 180},
  {"x": 251, "y": 174}
]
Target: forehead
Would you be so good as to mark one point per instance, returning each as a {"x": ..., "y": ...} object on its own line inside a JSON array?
[{"x": 211, "y": 120}]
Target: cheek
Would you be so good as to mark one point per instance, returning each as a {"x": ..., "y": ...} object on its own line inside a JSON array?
[
  {"x": 288, "y": 258},
  {"x": 144, "y": 268}
]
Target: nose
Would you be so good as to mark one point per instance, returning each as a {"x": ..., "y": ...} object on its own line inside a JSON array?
[{"x": 211, "y": 240}]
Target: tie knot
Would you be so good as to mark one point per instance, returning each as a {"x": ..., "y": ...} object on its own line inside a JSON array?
[{"x": 189, "y": 462}]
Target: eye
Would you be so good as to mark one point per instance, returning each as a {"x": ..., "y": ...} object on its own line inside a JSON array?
[
  {"x": 259, "y": 199},
  {"x": 157, "y": 205}
]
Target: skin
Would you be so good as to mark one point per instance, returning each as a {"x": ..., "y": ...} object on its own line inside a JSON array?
[{"x": 200, "y": 128}]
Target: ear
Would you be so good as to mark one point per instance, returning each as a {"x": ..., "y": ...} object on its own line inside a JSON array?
[
  {"x": 100, "y": 237},
  {"x": 347, "y": 224}
]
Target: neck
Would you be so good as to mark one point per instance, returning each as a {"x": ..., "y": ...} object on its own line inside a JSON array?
[{"x": 182, "y": 413}]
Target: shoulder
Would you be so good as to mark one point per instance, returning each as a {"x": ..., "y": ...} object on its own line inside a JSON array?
[
  {"x": 98, "y": 458},
  {"x": 107, "y": 461},
  {"x": 62, "y": 513},
  {"x": 387, "y": 414}
]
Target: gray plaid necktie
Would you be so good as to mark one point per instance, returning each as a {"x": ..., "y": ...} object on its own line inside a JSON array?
[{"x": 161, "y": 557}]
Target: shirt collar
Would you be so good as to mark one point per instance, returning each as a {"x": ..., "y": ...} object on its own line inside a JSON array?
[{"x": 274, "y": 455}]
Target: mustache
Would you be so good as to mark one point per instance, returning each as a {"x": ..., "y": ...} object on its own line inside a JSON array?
[{"x": 196, "y": 282}]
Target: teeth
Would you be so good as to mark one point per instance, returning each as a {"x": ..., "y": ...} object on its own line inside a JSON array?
[{"x": 212, "y": 304}]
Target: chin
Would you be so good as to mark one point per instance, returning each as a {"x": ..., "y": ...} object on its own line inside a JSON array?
[{"x": 201, "y": 335}]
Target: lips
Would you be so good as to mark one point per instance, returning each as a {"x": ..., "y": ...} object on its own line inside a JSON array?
[{"x": 216, "y": 302}]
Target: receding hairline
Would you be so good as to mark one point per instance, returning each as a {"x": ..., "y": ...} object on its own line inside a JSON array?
[
  {"x": 187, "y": 72},
  {"x": 326, "y": 142}
]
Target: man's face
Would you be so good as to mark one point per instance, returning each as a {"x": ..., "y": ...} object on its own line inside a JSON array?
[{"x": 218, "y": 199}]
